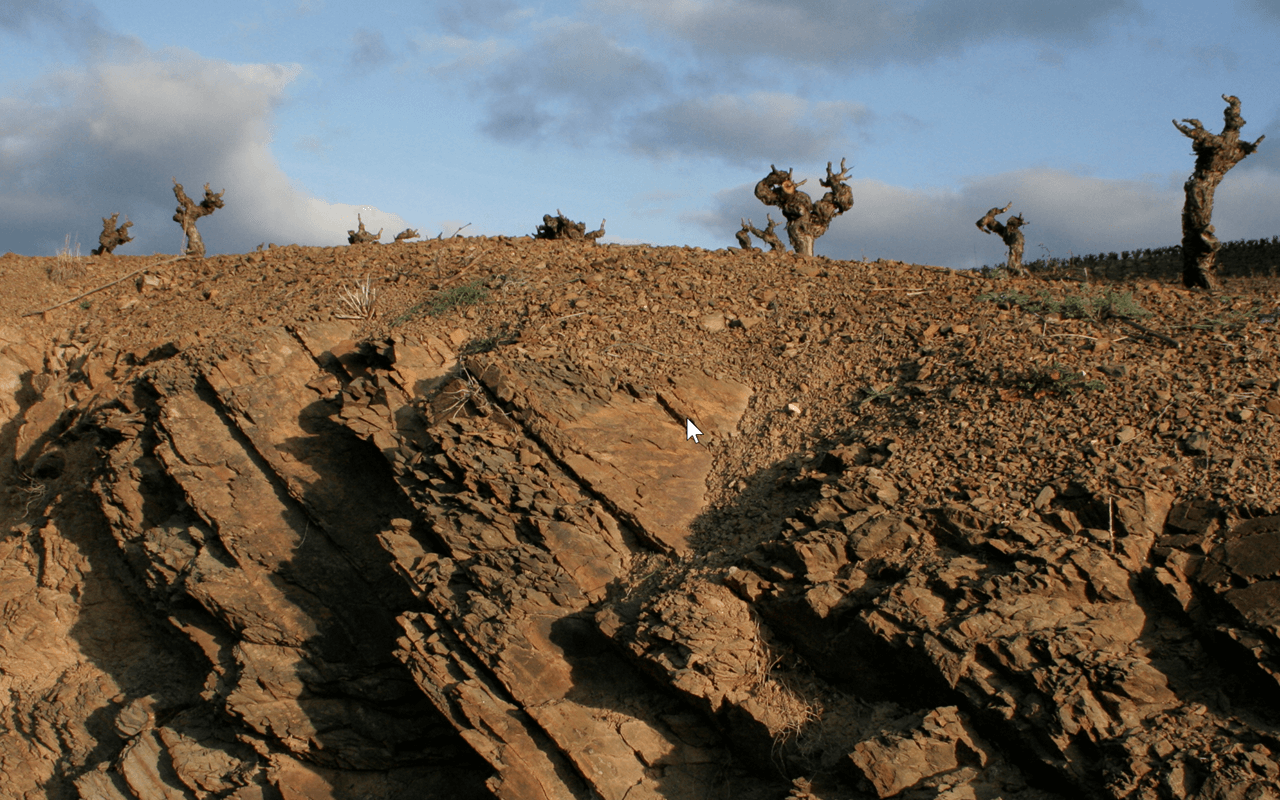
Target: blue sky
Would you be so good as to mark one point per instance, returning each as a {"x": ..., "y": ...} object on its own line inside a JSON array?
[{"x": 658, "y": 115}]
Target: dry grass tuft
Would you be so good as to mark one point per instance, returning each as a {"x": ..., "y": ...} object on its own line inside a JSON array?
[
  {"x": 791, "y": 712},
  {"x": 34, "y": 491},
  {"x": 360, "y": 301},
  {"x": 69, "y": 266}
]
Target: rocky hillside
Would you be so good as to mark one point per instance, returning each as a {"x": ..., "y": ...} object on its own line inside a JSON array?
[{"x": 941, "y": 536}]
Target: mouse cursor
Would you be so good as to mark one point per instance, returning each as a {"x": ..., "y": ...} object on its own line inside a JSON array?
[{"x": 691, "y": 431}]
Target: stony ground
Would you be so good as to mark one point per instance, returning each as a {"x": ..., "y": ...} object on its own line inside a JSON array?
[
  {"x": 896, "y": 455},
  {"x": 948, "y": 365}
]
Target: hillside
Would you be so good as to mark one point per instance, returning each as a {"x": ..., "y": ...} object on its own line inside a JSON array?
[{"x": 942, "y": 535}]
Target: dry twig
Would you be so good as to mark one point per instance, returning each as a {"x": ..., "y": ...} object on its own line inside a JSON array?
[
  {"x": 33, "y": 489},
  {"x": 1149, "y": 332},
  {"x": 1082, "y": 336},
  {"x": 470, "y": 392},
  {"x": 103, "y": 286}
]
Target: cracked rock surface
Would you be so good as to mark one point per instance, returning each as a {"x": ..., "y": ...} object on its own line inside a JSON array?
[{"x": 933, "y": 542}]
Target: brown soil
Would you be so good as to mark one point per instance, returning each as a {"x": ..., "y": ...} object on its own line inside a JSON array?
[
  {"x": 936, "y": 362},
  {"x": 963, "y": 391}
]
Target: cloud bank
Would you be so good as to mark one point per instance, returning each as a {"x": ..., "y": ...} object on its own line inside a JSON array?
[
  {"x": 83, "y": 144},
  {"x": 867, "y": 33},
  {"x": 678, "y": 91},
  {"x": 1066, "y": 213}
]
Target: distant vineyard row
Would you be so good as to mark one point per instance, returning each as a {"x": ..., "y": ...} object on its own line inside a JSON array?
[{"x": 1242, "y": 258}]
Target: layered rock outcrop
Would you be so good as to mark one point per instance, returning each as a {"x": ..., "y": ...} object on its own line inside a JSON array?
[{"x": 305, "y": 566}]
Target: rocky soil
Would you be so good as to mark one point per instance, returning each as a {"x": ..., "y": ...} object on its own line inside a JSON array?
[{"x": 942, "y": 536}]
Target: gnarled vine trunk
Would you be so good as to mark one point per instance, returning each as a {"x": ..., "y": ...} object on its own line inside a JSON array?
[
  {"x": 561, "y": 227},
  {"x": 1215, "y": 154},
  {"x": 767, "y": 235},
  {"x": 806, "y": 220},
  {"x": 1010, "y": 232},
  {"x": 111, "y": 236},
  {"x": 188, "y": 212}
]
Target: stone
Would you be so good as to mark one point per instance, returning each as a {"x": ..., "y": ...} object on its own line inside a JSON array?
[
  {"x": 940, "y": 744},
  {"x": 712, "y": 323}
]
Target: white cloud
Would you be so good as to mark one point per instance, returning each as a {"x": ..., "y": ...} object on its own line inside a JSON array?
[
  {"x": 273, "y": 76},
  {"x": 460, "y": 57},
  {"x": 84, "y": 144}
]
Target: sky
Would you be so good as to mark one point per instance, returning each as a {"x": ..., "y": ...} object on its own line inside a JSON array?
[{"x": 656, "y": 115}]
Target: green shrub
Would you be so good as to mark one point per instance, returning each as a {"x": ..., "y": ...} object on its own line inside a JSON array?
[
  {"x": 467, "y": 294},
  {"x": 1091, "y": 306}
]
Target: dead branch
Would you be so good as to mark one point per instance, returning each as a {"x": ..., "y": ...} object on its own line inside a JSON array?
[
  {"x": 989, "y": 218},
  {"x": 1082, "y": 336},
  {"x": 1131, "y": 323},
  {"x": 767, "y": 235},
  {"x": 362, "y": 236},
  {"x": 103, "y": 286}
]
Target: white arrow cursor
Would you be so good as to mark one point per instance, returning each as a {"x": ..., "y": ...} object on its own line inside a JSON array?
[{"x": 691, "y": 431}]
